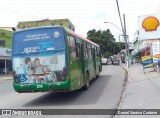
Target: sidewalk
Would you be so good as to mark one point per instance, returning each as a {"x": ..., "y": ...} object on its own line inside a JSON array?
[
  {"x": 142, "y": 91},
  {"x": 5, "y": 77}
]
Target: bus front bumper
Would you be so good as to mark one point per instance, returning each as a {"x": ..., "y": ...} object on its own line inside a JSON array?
[{"x": 43, "y": 87}]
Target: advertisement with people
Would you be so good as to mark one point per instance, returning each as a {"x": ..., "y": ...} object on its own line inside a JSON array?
[{"x": 40, "y": 57}]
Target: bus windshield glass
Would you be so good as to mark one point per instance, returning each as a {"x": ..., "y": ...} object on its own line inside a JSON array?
[{"x": 38, "y": 55}]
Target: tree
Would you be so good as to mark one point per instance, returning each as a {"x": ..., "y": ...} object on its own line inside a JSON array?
[{"x": 106, "y": 41}]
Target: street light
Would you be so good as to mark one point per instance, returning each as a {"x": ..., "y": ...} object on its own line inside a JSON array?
[
  {"x": 117, "y": 28},
  {"x": 114, "y": 25},
  {"x": 125, "y": 38}
]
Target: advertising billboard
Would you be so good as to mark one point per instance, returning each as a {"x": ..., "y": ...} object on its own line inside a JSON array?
[
  {"x": 156, "y": 51},
  {"x": 149, "y": 26}
]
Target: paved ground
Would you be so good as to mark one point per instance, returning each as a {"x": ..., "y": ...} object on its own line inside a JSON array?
[
  {"x": 103, "y": 93},
  {"x": 5, "y": 77},
  {"x": 142, "y": 91}
]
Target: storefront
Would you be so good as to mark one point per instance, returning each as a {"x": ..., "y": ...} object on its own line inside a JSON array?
[{"x": 5, "y": 61}]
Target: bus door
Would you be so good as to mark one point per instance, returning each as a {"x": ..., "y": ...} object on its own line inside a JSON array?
[
  {"x": 79, "y": 51},
  {"x": 97, "y": 61},
  {"x": 82, "y": 63},
  {"x": 90, "y": 61},
  {"x": 94, "y": 60}
]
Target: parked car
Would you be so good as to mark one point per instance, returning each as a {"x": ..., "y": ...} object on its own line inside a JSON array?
[
  {"x": 115, "y": 60},
  {"x": 104, "y": 61}
]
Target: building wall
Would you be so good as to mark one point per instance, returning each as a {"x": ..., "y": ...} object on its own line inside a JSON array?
[
  {"x": 5, "y": 38},
  {"x": 64, "y": 22},
  {"x": 5, "y": 49}
]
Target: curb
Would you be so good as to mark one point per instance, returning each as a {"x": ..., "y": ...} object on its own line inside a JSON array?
[
  {"x": 126, "y": 81},
  {"x": 3, "y": 78},
  {"x": 123, "y": 92}
]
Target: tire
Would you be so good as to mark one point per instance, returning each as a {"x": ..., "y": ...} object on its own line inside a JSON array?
[
  {"x": 86, "y": 86},
  {"x": 97, "y": 76}
]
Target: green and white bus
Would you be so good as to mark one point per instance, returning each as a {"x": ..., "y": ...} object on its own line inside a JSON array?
[{"x": 53, "y": 58}]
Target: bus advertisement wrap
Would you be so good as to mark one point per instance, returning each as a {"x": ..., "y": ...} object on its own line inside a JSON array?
[{"x": 40, "y": 56}]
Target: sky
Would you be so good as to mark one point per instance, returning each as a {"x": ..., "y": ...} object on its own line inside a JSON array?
[{"x": 84, "y": 14}]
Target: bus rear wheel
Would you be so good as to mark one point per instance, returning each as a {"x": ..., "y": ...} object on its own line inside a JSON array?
[{"x": 86, "y": 86}]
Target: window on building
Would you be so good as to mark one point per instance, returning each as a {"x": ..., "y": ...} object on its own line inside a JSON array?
[
  {"x": 2, "y": 33},
  {"x": 2, "y": 42}
]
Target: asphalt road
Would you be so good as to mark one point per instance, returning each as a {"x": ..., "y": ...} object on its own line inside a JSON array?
[{"x": 104, "y": 93}]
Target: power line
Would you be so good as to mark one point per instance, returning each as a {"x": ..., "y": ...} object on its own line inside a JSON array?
[
  {"x": 120, "y": 16},
  {"x": 20, "y": 13}
]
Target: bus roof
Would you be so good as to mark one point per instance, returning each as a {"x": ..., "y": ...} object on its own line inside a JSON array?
[
  {"x": 33, "y": 28},
  {"x": 84, "y": 39}
]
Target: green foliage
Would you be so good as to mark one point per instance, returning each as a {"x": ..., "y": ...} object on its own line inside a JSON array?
[
  {"x": 106, "y": 41},
  {"x": 107, "y": 54}
]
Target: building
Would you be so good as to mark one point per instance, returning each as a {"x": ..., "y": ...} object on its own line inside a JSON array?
[
  {"x": 5, "y": 49},
  {"x": 46, "y": 22},
  {"x": 136, "y": 52}
]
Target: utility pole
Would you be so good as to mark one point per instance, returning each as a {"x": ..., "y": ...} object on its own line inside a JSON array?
[
  {"x": 126, "y": 42},
  {"x": 124, "y": 34}
]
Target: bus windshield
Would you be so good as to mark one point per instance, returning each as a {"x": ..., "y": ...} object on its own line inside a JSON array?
[{"x": 38, "y": 55}]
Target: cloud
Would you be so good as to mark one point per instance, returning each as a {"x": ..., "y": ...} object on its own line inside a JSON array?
[{"x": 100, "y": 15}]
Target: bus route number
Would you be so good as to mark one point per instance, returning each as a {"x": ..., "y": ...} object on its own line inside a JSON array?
[{"x": 39, "y": 86}]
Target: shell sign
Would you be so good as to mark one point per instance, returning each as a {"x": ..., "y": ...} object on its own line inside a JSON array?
[
  {"x": 150, "y": 23},
  {"x": 149, "y": 27}
]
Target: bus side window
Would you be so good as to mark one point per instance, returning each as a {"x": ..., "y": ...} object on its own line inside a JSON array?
[
  {"x": 68, "y": 40},
  {"x": 97, "y": 52},
  {"x": 93, "y": 51},
  {"x": 85, "y": 49},
  {"x": 72, "y": 47},
  {"x": 89, "y": 50},
  {"x": 78, "y": 43}
]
